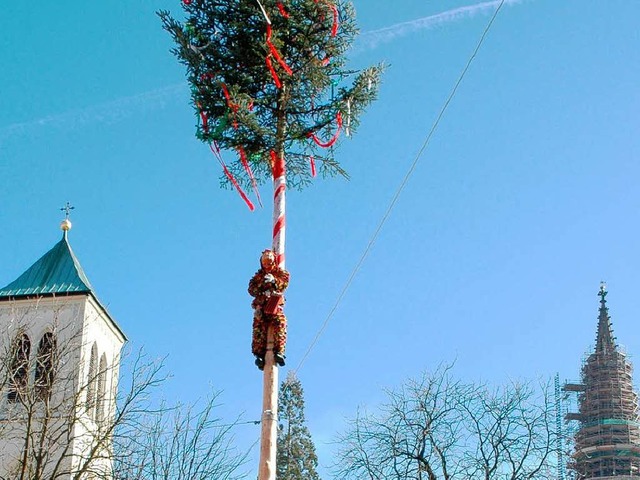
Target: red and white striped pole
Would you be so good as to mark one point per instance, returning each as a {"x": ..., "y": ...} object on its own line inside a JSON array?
[
  {"x": 279, "y": 191},
  {"x": 269, "y": 433}
]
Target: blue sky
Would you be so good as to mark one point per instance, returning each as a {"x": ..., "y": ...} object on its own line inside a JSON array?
[{"x": 525, "y": 199}]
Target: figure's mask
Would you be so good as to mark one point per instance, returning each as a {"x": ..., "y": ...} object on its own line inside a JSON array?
[{"x": 268, "y": 260}]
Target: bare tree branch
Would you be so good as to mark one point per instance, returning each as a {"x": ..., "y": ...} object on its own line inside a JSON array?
[{"x": 438, "y": 427}]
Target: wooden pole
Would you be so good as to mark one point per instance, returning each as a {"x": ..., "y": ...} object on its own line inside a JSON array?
[{"x": 269, "y": 431}]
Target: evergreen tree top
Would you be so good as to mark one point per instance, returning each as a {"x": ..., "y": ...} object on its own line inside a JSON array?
[
  {"x": 297, "y": 459},
  {"x": 272, "y": 82}
]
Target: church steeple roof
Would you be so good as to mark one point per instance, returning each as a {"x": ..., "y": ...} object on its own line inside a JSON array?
[
  {"x": 57, "y": 272},
  {"x": 605, "y": 341}
]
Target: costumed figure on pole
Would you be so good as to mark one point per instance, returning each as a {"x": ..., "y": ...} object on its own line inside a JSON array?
[{"x": 267, "y": 287}]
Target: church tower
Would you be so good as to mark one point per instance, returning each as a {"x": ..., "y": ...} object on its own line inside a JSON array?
[
  {"x": 607, "y": 442},
  {"x": 59, "y": 361}
]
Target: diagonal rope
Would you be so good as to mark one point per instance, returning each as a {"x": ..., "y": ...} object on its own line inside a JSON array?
[{"x": 400, "y": 189}]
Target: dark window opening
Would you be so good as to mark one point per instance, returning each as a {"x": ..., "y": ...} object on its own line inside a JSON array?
[
  {"x": 45, "y": 366},
  {"x": 19, "y": 373}
]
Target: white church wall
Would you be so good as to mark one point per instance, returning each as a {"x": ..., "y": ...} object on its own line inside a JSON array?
[
  {"x": 77, "y": 322},
  {"x": 100, "y": 331},
  {"x": 35, "y": 318}
]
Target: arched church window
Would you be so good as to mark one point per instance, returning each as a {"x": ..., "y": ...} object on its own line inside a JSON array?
[
  {"x": 19, "y": 369},
  {"x": 46, "y": 363},
  {"x": 102, "y": 383},
  {"x": 91, "y": 379}
]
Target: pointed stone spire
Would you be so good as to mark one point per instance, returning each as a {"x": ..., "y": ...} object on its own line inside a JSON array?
[{"x": 605, "y": 341}]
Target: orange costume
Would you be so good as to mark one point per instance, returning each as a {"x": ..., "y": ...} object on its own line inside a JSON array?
[{"x": 267, "y": 287}]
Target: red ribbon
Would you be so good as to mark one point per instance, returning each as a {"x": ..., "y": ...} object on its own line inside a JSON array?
[
  {"x": 216, "y": 152},
  {"x": 275, "y": 53},
  {"x": 247, "y": 168},
  {"x": 313, "y": 166},
  {"x": 274, "y": 74},
  {"x": 205, "y": 119},
  {"x": 333, "y": 139},
  {"x": 277, "y": 165},
  {"x": 334, "y": 28},
  {"x": 225, "y": 90},
  {"x": 336, "y": 21},
  {"x": 283, "y": 12},
  {"x": 234, "y": 107}
]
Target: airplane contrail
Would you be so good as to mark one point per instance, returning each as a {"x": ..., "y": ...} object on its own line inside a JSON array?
[
  {"x": 108, "y": 112},
  {"x": 373, "y": 38},
  {"x": 115, "y": 110}
]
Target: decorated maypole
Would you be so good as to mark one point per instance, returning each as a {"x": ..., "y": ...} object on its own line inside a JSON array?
[
  {"x": 271, "y": 92},
  {"x": 269, "y": 420}
]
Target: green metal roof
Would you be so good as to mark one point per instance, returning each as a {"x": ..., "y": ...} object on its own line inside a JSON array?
[{"x": 56, "y": 272}]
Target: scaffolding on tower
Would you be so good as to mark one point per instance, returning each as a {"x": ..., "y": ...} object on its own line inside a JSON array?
[{"x": 607, "y": 440}]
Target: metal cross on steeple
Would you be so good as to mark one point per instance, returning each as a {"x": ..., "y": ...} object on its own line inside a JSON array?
[
  {"x": 67, "y": 210},
  {"x": 603, "y": 292}
]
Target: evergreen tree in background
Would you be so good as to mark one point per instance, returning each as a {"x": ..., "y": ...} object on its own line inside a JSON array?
[
  {"x": 269, "y": 77},
  {"x": 297, "y": 458}
]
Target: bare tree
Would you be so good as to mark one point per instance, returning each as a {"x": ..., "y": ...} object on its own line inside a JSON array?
[
  {"x": 58, "y": 422},
  {"x": 62, "y": 416},
  {"x": 184, "y": 442},
  {"x": 438, "y": 427}
]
